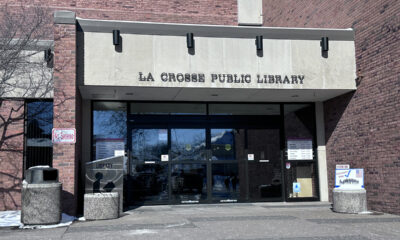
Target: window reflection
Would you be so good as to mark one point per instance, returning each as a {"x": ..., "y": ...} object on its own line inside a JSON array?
[
  {"x": 223, "y": 144},
  {"x": 189, "y": 182},
  {"x": 225, "y": 181},
  {"x": 39, "y": 148},
  {"x": 149, "y": 144},
  {"x": 109, "y": 128},
  {"x": 148, "y": 182},
  {"x": 188, "y": 144},
  {"x": 299, "y": 121}
]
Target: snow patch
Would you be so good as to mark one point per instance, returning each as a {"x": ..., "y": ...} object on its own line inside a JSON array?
[
  {"x": 10, "y": 219},
  {"x": 142, "y": 231},
  {"x": 13, "y": 219}
]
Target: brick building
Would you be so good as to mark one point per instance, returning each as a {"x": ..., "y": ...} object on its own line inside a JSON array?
[{"x": 343, "y": 102}]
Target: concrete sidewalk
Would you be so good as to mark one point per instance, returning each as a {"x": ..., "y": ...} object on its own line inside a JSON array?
[{"x": 227, "y": 221}]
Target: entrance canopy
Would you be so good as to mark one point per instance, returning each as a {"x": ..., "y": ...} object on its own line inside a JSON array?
[{"x": 156, "y": 61}]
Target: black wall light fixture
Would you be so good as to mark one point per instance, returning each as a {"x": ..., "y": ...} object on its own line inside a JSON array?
[
  {"x": 48, "y": 55},
  {"x": 116, "y": 37},
  {"x": 259, "y": 43},
  {"x": 324, "y": 44},
  {"x": 189, "y": 40}
]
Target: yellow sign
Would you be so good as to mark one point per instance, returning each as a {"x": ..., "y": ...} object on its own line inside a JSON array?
[{"x": 228, "y": 147}]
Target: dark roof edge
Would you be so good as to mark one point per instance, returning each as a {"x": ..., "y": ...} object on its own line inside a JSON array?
[{"x": 175, "y": 29}]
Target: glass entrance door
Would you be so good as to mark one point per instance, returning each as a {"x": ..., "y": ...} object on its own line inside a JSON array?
[
  {"x": 227, "y": 168},
  {"x": 147, "y": 180},
  {"x": 188, "y": 165},
  {"x": 264, "y": 165},
  {"x": 178, "y": 162}
]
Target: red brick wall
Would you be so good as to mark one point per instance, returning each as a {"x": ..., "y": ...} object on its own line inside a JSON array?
[
  {"x": 222, "y": 12},
  {"x": 11, "y": 153},
  {"x": 66, "y": 156},
  {"x": 362, "y": 128}
]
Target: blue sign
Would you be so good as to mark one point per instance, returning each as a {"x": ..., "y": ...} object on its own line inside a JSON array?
[{"x": 296, "y": 187}]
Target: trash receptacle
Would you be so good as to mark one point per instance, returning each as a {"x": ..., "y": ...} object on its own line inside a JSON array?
[{"x": 41, "y": 196}]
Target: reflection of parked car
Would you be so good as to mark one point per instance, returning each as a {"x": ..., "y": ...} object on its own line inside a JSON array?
[{"x": 186, "y": 182}]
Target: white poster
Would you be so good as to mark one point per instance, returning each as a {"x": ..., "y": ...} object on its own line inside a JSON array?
[
  {"x": 107, "y": 147},
  {"x": 350, "y": 179},
  {"x": 300, "y": 149}
]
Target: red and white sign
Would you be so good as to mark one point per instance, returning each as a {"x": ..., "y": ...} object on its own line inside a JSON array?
[{"x": 63, "y": 135}]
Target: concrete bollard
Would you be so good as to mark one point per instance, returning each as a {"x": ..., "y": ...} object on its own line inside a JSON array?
[
  {"x": 349, "y": 201},
  {"x": 100, "y": 206}
]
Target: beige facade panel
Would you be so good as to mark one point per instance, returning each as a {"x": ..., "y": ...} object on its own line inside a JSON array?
[
  {"x": 164, "y": 61},
  {"x": 250, "y": 12}
]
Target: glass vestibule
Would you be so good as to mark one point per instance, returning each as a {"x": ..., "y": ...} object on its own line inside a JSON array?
[
  {"x": 300, "y": 164},
  {"x": 195, "y": 152}
]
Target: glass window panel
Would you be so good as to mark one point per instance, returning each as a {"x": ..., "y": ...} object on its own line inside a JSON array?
[
  {"x": 149, "y": 144},
  {"x": 147, "y": 182},
  {"x": 302, "y": 173},
  {"x": 225, "y": 182},
  {"x": 168, "y": 108},
  {"x": 223, "y": 144},
  {"x": 39, "y": 148},
  {"x": 299, "y": 121},
  {"x": 109, "y": 128},
  {"x": 189, "y": 182},
  {"x": 244, "y": 109},
  {"x": 188, "y": 144}
]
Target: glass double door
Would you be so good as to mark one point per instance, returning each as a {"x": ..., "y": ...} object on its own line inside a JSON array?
[{"x": 184, "y": 164}]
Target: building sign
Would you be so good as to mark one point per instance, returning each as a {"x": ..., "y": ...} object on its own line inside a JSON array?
[
  {"x": 63, "y": 135},
  {"x": 228, "y": 78},
  {"x": 107, "y": 147},
  {"x": 300, "y": 149},
  {"x": 342, "y": 166},
  {"x": 350, "y": 179}
]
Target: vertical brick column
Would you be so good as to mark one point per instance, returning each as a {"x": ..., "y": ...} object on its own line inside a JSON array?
[{"x": 66, "y": 105}]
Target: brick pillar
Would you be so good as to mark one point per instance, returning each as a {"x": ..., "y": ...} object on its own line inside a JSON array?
[{"x": 66, "y": 106}]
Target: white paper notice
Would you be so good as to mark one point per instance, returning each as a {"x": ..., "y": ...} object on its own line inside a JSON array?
[
  {"x": 106, "y": 147},
  {"x": 250, "y": 157},
  {"x": 164, "y": 158},
  {"x": 119, "y": 153},
  {"x": 300, "y": 149}
]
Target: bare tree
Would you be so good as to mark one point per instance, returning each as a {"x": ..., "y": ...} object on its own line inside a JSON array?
[
  {"x": 25, "y": 34},
  {"x": 24, "y": 37}
]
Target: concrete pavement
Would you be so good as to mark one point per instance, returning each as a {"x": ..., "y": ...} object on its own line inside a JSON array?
[{"x": 283, "y": 221}]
